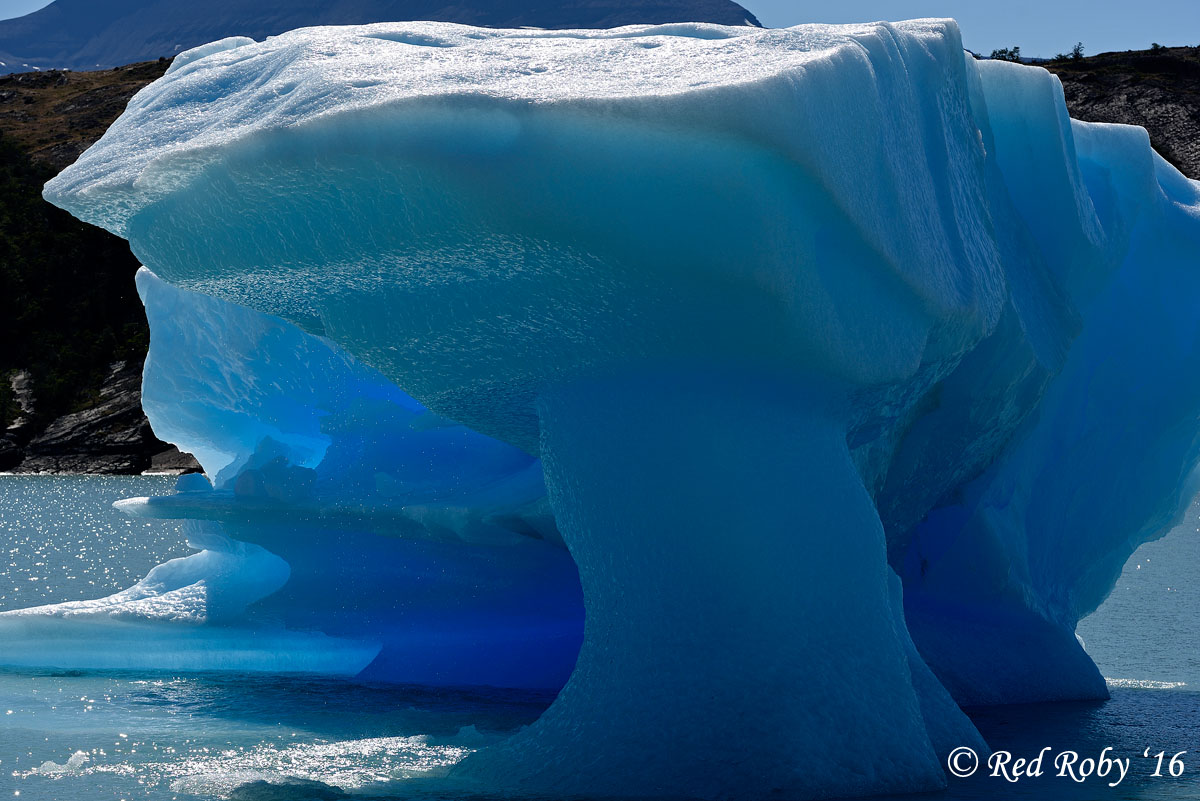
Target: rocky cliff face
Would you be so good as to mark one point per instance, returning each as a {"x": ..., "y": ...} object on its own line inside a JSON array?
[
  {"x": 1157, "y": 89},
  {"x": 110, "y": 436},
  {"x": 72, "y": 332}
]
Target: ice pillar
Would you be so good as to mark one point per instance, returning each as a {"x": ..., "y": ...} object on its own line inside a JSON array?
[{"x": 740, "y": 639}]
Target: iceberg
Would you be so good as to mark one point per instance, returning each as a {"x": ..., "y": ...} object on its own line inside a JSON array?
[{"x": 832, "y": 372}]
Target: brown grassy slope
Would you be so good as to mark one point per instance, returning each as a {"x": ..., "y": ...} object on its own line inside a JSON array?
[{"x": 54, "y": 116}]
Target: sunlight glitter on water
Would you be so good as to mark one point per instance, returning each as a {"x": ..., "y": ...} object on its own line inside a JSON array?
[
  {"x": 345, "y": 764},
  {"x": 68, "y": 735},
  {"x": 61, "y": 540}
]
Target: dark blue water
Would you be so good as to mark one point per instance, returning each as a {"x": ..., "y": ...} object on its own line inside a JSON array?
[{"x": 84, "y": 736}]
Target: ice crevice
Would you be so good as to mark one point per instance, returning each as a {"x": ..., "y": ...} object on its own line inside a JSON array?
[{"x": 834, "y": 373}]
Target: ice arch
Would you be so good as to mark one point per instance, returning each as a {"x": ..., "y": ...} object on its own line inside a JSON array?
[{"x": 785, "y": 314}]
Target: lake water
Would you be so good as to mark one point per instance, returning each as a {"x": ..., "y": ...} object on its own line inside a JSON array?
[{"x": 97, "y": 735}]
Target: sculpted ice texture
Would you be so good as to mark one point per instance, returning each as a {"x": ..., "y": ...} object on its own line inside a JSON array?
[
  {"x": 789, "y": 317},
  {"x": 282, "y": 420}
]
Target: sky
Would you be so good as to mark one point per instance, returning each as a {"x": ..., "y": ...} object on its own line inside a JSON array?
[
  {"x": 17, "y": 8},
  {"x": 1039, "y": 27}
]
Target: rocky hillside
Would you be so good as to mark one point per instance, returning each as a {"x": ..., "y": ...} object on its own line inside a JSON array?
[
  {"x": 52, "y": 117},
  {"x": 1158, "y": 89},
  {"x": 86, "y": 34},
  {"x": 72, "y": 331}
]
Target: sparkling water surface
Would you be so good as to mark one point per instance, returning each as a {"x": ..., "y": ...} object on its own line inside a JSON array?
[
  {"x": 70, "y": 735},
  {"x": 61, "y": 540}
]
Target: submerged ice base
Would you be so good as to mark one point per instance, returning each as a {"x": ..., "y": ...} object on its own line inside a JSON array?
[{"x": 848, "y": 369}]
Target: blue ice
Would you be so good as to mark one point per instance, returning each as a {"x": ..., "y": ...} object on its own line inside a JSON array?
[{"x": 844, "y": 369}]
